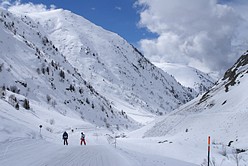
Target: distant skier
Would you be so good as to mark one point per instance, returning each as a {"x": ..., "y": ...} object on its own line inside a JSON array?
[
  {"x": 82, "y": 138},
  {"x": 65, "y": 137}
]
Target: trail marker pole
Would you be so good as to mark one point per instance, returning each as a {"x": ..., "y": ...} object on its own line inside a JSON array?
[
  {"x": 208, "y": 150},
  {"x": 40, "y": 129}
]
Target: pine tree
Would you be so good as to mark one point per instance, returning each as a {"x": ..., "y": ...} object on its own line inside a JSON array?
[
  {"x": 87, "y": 101},
  {"x": 17, "y": 106},
  {"x": 26, "y": 104},
  {"x": 62, "y": 74}
]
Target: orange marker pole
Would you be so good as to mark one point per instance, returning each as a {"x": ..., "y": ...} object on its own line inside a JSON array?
[{"x": 208, "y": 150}]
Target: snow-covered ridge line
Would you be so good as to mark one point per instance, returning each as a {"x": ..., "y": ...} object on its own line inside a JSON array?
[
  {"x": 50, "y": 70},
  {"x": 111, "y": 64},
  {"x": 89, "y": 68},
  {"x": 188, "y": 76}
]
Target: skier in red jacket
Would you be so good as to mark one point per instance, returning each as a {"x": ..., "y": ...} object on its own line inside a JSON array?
[{"x": 82, "y": 138}]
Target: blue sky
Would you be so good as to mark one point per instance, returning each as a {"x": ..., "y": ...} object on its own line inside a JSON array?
[
  {"x": 209, "y": 35},
  {"x": 119, "y": 16}
]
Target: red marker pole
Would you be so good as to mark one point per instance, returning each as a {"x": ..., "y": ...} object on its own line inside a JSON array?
[{"x": 208, "y": 150}]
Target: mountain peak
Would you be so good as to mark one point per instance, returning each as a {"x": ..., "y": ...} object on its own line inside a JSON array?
[{"x": 92, "y": 72}]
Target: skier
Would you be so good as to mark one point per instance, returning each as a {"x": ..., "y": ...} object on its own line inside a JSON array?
[
  {"x": 82, "y": 138},
  {"x": 65, "y": 137}
]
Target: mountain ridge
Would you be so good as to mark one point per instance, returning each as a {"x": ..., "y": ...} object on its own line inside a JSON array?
[
  {"x": 188, "y": 76},
  {"x": 49, "y": 70},
  {"x": 110, "y": 85},
  {"x": 220, "y": 112},
  {"x": 101, "y": 56}
]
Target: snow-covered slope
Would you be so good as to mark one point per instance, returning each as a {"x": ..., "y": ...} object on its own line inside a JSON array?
[
  {"x": 23, "y": 143},
  {"x": 64, "y": 61},
  {"x": 221, "y": 113},
  {"x": 114, "y": 67},
  {"x": 188, "y": 76},
  {"x": 34, "y": 72},
  {"x": 62, "y": 72}
]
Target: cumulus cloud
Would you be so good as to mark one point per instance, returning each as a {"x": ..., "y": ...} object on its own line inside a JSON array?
[
  {"x": 201, "y": 33},
  {"x": 240, "y": 6},
  {"x": 19, "y": 7},
  {"x": 5, "y": 3}
]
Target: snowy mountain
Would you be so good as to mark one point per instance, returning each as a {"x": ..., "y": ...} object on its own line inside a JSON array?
[
  {"x": 69, "y": 65},
  {"x": 112, "y": 66},
  {"x": 97, "y": 83},
  {"x": 220, "y": 113},
  {"x": 188, "y": 76},
  {"x": 33, "y": 71}
]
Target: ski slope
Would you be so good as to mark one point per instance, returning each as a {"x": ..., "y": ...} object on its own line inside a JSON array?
[
  {"x": 40, "y": 152},
  {"x": 23, "y": 143}
]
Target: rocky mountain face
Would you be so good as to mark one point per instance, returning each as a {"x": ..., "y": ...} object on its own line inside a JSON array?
[
  {"x": 231, "y": 78},
  {"x": 233, "y": 74},
  {"x": 68, "y": 65}
]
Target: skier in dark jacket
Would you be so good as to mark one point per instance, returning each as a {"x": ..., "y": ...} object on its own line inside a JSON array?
[
  {"x": 82, "y": 138},
  {"x": 65, "y": 137}
]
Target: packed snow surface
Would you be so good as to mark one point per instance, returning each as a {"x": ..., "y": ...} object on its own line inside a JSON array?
[{"x": 24, "y": 143}]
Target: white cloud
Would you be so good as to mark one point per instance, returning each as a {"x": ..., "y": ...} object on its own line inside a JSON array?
[
  {"x": 19, "y": 7},
  {"x": 5, "y": 3},
  {"x": 118, "y": 8},
  {"x": 52, "y": 7},
  {"x": 200, "y": 33}
]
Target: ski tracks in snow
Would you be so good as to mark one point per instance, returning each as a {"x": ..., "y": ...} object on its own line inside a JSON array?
[
  {"x": 42, "y": 153},
  {"x": 38, "y": 152}
]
